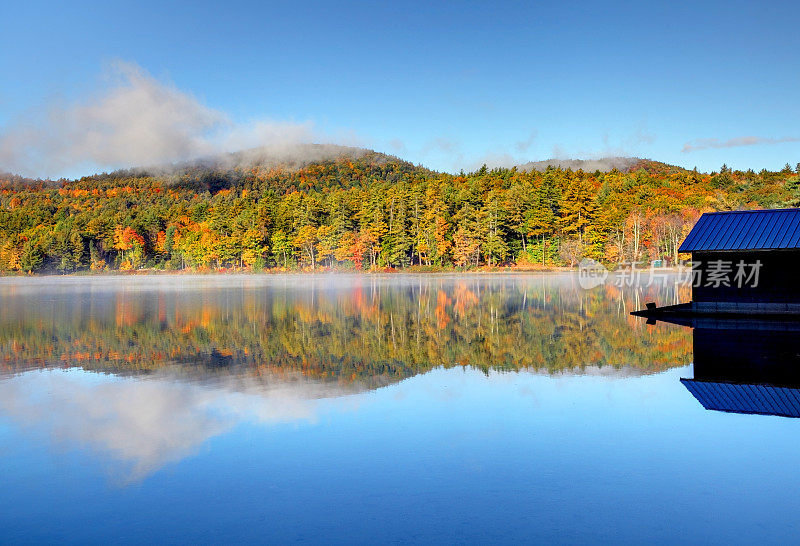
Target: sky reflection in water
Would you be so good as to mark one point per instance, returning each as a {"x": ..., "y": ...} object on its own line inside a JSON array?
[{"x": 369, "y": 408}]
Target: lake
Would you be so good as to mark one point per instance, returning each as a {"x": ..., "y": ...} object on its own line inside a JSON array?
[{"x": 380, "y": 408}]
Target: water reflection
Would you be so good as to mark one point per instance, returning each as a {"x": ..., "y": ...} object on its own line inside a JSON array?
[
  {"x": 373, "y": 329},
  {"x": 746, "y": 366},
  {"x": 185, "y": 359},
  {"x": 142, "y": 424}
]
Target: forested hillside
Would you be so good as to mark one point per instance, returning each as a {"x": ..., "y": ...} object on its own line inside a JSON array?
[{"x": 365, "y": 211}]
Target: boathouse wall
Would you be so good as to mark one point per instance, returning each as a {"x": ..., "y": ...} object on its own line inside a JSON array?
[{"x": 778, "y": 277}]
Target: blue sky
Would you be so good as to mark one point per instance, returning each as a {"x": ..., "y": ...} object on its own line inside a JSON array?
[{"x": 447, "y": 85}]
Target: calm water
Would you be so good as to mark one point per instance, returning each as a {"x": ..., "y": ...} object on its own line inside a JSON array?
[{"x": 345, "y": 409}]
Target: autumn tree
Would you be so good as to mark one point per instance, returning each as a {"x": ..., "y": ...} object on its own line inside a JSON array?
[
  {"x": 131, "y": 247},
  {"x": 542, "y": 217},
  {"x": 281, "y": 248},
  {"x": 327, "y": 243},
  {"x": 306, "y": 242},
  {"x": 493, "y": 215},
  {"x": 577, "y": 205}
]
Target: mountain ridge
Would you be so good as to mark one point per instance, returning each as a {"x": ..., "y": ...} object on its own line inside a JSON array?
[
  {"x": 601, "y": 164},
  {"x": 296, "y": 157}
]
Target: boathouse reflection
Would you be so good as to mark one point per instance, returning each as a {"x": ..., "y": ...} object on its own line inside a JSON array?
[{"x": 750, "y": 367}]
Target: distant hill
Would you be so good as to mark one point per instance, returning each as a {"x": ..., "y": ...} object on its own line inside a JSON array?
[
  {"x": 297, "y": 156},
  {"x": 291, "y": 157},
  {"x": 295, "y": 166},
  {"x": 9, "y": 180},
  {"x": 605, "y": 164}
]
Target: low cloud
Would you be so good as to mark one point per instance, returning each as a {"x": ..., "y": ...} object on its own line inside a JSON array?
[
  {"x": 603, "y": 164},
  {"x": 445, "y": 150},
  {"x": 397, "y": 145},
  {"x": 133, "y": 120},
  {"x": 441, "y": 144},
  {"x": 626, "y": 145},
  {"x": 558, "y": 152},
  {"x": 524, "y": 145},
  {"x": 708, "y": 143},
  {"x": 502, "y": 158},
  {"x": 642, "y": 135}
]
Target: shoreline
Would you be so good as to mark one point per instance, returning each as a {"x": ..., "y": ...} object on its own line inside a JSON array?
[
  {"x": 310, "y": 272},
  {"x": 297, "y": 273}
]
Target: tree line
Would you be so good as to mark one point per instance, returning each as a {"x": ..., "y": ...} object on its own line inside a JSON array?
[{"x": 368, "y": 213}]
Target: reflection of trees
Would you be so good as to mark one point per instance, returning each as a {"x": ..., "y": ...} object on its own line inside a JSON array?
[{"x": 367, "y": 330}]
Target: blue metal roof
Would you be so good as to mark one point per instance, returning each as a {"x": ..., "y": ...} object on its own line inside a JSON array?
[
  {"x": 745, "y": 230},
  {"x": 739, "y": 398}
]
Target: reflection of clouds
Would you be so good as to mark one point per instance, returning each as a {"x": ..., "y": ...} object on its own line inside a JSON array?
[
  {"x": 610, "y": 372},
  {"x": 147, "y": 423}
]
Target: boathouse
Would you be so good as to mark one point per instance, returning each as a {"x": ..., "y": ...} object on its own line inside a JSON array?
[{"x": 746, "y": 262}]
